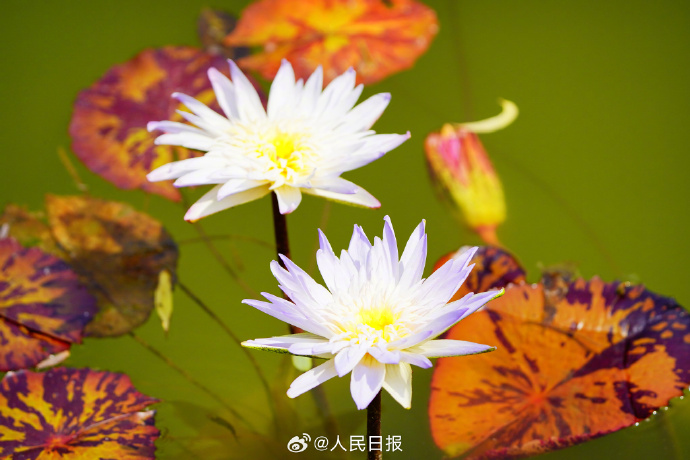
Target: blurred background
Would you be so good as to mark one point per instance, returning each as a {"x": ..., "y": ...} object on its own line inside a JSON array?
[{"x": 594, "y": 170}]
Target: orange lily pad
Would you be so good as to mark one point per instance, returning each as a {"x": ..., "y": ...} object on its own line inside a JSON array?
[
  {"x": 576, "y": 359},
  {"x": 43, "y": 306},
  {"x": 108, "y": 126},
  {"x": 117, "y": 252},
  {"x": 74, "y": 414},
  {"x": 376, "y": 38}
]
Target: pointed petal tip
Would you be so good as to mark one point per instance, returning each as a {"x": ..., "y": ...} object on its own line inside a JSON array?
[{"x": 193, "y": 214}]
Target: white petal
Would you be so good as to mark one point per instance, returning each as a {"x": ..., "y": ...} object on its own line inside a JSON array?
[
  {"x": 348, "y": 358},
  {"x": 284, "y": 341},
  {"x": 398, "y": 383},
  {"x": 172, "y": 127},
  {"x": 288, "y": 198},
  {"x": 179, "y": 168},
  {"x": 359, "y": 246},
  {"x": 413, "y": 268},
  {"x": 194, "y": 178},
  {"x": 360, "y": 198},
  {"x": 225, "y": 93},
  {"x": 237, "y": 185},
  {"x": 201, "y": 110},
  {"x": 208, "y": 204},
  {"x": 444, "y": 347},
  {"x": 312, "y": 378},
  {"x": 308, "y": 295},
  {"x": 248, "y": 102},
  {"x": 416, "y": 359},
  {"x": 285, "y": 311},
  {"x": 374, "y": 148},
  {"x": 367, "y": 380},
  {"x": 282, "y": 90},
  {"x": 479, "y": 300},
  {"x": 385, "y": 356},
  {"x": 411, "y": 246},
  {"x": 187, "y": 140},
  {"x": 311, "y": 92},
  {"x": 440, "y": 286},
  {"x": 329, "y": 103},
  {"x": 365, "y": 114},
  {"x": 390, "y": 244},
  {"x": 334, "y": 184}
]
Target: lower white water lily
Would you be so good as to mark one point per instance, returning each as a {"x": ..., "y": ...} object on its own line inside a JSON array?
[{"x": 376, "y": 317}]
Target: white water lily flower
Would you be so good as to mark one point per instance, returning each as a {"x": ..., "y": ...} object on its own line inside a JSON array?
[
  {"x": 302, "y": 142},
  {"x": 377, "y": 316}
]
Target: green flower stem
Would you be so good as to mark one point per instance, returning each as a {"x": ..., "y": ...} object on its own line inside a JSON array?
[
  {"x": 235, "y": 339},
  {"x": 187, "y": 376},
  {"x": 374, "y": 426}
]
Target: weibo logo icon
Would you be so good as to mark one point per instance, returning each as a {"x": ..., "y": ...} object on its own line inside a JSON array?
[{"x": 298, "y": 444}]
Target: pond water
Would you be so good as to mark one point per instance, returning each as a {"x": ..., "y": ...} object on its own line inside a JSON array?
[{"x": 594, "y": 170}]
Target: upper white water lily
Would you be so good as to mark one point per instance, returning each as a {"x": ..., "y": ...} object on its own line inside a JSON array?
[
  {"x": 302, "y": 142},
  {"x": 376, "y": 317}
]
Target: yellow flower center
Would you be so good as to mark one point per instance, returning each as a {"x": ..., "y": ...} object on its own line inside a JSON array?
[
  {"x": 376, "y": 324},
  {"x": 287, "y": 153},
  {"x": 376, "y": 318}
]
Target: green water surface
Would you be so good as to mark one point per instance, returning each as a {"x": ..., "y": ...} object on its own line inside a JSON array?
[{"x": 595, "y": 172}]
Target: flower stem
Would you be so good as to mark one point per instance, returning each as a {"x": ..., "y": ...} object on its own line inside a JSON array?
[
  {"x": 374, "y": 427},
  {"x": 280, "y": 230},
  {"x": 235, "y": 339},
  {"x": 187, "y": 376}
]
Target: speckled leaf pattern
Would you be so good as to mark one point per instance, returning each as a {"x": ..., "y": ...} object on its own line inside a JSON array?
[
  {"x": 119, "y": 252},
  {"x": 108, "y": 126},
  {"x": 74, "y": 414},
  {"x": 43, "y": 306},
  {"x": 376, "y": 38},
  {"x": 575, "y": 360}
]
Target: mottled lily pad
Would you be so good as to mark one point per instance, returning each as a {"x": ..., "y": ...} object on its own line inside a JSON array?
[
  {"x": 43, "y": 306},
  {"x": 108, "y": 126},
  {"x": 376, "y": 38},
  {"x": 74, "y": 414},
  {"x": 576, "y": 359},
  {"x": 117, "y": 252}
]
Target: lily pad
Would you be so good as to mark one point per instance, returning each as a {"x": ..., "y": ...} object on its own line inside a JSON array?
[
  {"x": 375, "y": 38},
  {"x": 108, "y": 126},
  {"x": 74, "y": 414},
  {"x": 43, "y": 306},
  {"x": 576, "y": 359},
  {"x": 117, "y": 252}
]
